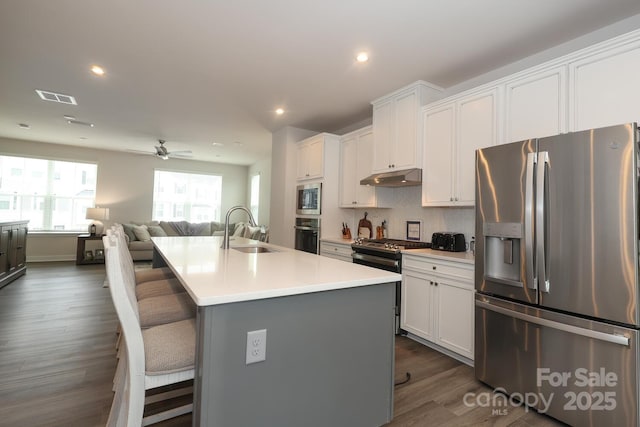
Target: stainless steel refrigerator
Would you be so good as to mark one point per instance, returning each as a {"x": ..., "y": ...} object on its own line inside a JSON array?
[{"x": 556, "y": 274}]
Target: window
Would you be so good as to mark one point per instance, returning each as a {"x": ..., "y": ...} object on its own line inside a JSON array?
[
  {"x": 51, "y": 194},
  {"x": 255, "y": 195},
  {"x": 186, "y": 196}
]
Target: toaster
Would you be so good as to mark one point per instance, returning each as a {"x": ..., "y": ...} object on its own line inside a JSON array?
[{"x": 447, "y": 241}]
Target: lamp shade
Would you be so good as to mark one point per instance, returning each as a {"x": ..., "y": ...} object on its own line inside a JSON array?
[{"x": 99, "y": 214}]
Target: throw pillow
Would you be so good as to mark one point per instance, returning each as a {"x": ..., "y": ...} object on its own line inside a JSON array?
[
  {"x": 156, "y": 231},
  {"x": 141, "y": 233},
  {"x": 201, "y": 229},
  {"x": 252, "y": 232},
  {"x": 239, "y": 230},
  {"x": 128, "y": 230}
]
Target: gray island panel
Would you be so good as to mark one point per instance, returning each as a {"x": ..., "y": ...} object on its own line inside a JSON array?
[{"x": 329, "y": 360}]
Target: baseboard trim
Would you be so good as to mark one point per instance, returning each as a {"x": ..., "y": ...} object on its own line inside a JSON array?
[
  {"x": 51, "y": 258},
  {"x": 446, "y": 351}
]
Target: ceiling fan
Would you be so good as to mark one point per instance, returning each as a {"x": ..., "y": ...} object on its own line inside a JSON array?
[{"x": 164, "y": 154}]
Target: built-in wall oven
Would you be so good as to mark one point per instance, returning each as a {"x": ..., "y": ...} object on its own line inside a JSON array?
[
  {"x": 385, "y": 254},
  {"x": 307, "y": 235},
  {"x": 309, "y": 199}
]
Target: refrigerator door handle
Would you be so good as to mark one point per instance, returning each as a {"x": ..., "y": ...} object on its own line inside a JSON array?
[
  {"x": 541, "y": 196},
  {"x": 602, "y": 336},
  {"x": 530, "y": 276}
]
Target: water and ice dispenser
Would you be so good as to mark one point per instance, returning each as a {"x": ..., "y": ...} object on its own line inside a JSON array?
[{"x": 503, "y": 247}]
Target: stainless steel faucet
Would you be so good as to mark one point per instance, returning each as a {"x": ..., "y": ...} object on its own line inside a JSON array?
[{"x": 252, "y": 221}]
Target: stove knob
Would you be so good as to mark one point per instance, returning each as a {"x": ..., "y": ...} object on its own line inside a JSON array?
[
  {"x": 386, "y": 246},
  {"x": 395, "y": 246}
]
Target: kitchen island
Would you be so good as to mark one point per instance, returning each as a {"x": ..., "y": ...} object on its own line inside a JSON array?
[{"x": 329, "y": 334}]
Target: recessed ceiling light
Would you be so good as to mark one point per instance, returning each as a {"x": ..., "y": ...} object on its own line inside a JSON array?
[
  {"x": 69, "y": 117},
  {"x": 82, "y": 137},
  {"x": 279, "y": 111},
  {"x": 362, "y": 57},
  {"x": 217, "y": 144},
  {"x": 24, "y": 126},
  {"x": 97, "y": 70}
]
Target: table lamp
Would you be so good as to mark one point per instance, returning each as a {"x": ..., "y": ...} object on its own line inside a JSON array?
[{"x": 97, "y": 215}]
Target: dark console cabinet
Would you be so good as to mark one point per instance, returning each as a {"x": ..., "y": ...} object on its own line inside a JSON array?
[{"x": 13, "y": 250}]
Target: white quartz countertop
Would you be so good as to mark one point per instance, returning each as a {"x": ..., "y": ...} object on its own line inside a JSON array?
[
  {"x": 465, "y": 257},
  {"x": 212, "y": 275}
]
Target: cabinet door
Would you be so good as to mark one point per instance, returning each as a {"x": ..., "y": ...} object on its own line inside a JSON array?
[
  {"x": 455, "y": 316},
  {"x": 301, "y": 165},
  {"x": 604, "y": 88},
  {"x": 404, "y": 150},
  {"x": 477, "y": 128},
  {"x": 439, "y": 137},
  {"x": 315, "y": 158},
  {"x": 365, "y": 194},
  {"x": 536, "y": 105},
  {"x": 416, "y": 314},
  {"x": 348, "y": 172},
  {"x": 4, "y": 251},
  {"x": 20, "y": 235},
  {"x": 382, "y": 136},
  {"x": 13, "y": 248}
]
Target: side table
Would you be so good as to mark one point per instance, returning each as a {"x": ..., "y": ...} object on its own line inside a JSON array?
[{"x": 84, "y": 256}]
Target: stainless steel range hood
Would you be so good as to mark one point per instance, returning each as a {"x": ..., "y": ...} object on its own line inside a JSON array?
[{"x": 403, "y": 178}]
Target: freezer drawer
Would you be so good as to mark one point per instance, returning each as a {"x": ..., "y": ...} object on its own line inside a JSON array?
[{"x": 581, "y": 372}]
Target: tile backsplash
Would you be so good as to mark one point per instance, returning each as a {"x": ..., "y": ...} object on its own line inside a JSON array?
[{"x": 407, "y": 207}]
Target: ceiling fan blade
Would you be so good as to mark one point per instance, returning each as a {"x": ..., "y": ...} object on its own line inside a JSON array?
[
  {"x": 148, "y": 153},
  {"x": 181, "y": 154}
]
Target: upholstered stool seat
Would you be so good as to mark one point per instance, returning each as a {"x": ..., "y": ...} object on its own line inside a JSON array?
[
  {"x": 163, "y": 309},
  {"x": 170, "y": 348},
  {"x": 157, "y": 288},
  {"x": 151, "y": 274}
]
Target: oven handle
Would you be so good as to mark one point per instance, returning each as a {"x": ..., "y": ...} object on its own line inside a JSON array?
[
  {"x": 375, "y": 259},
  {"x": 299, "y": 227}
]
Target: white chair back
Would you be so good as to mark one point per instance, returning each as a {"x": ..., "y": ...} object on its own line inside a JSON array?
[{"x": 123, "y": 296}]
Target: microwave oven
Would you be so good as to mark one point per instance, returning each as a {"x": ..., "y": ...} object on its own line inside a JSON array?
[{"x": 308, "y": 199}]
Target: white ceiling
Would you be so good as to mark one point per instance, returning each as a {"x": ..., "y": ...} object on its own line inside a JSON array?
[{"x": 194, "y": 72}]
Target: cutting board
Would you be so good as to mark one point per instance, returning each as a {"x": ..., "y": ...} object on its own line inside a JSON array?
[{"x": 365, "y": 229}]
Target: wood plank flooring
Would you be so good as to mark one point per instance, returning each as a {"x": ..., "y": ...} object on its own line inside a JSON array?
[{"x": 57, "y": 361}]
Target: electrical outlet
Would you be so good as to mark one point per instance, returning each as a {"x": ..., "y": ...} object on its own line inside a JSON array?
[{"x": 256, "y": 346}]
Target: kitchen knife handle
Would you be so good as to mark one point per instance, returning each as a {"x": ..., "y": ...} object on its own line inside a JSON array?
[
  {"x": 528, "y": 222},
  {"x": 541, "y": 207}
]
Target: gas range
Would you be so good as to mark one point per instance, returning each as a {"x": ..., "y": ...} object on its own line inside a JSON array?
[
  {"x": 385, "y": 254},
  {"x": 386, "y": 246}
]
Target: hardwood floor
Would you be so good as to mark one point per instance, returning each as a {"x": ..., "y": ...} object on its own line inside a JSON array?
[{"x": 57, "y": 361}]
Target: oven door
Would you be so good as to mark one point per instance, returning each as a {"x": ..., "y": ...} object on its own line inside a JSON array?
[
  {"x": 387, "y": 264},
  {"x": 307, "y": 239},
  {"x": 382, "y": 263}
]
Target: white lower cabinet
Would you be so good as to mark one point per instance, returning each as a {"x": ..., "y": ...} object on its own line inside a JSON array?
[
  {"x": 438, "y": 302},
  {"x": 341, "y": 251}
]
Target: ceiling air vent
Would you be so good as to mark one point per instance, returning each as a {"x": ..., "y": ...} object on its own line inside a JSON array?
[{"x": 56, "y": 97}]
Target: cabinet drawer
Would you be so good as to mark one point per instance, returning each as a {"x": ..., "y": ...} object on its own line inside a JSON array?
[
  {"x": 451, "y": 269},
  {"x": 328, "y": 249}
]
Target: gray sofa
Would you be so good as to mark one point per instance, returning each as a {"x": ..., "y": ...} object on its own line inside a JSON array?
[{"x": 139, "y": 235}]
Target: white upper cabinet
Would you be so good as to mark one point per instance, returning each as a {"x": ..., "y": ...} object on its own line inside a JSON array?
[
  {"x": 604, "y": 87},
  {"x": 477, "y": 128},
  {"x": 453, "y": 131},
  {"x": 355, "y": 164},
  {"x": 536, "y": 105},
  {"x": 439, "y": 139},
  {"x": 310, "y": 158},
  {"x": 397, "y": 127}
]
